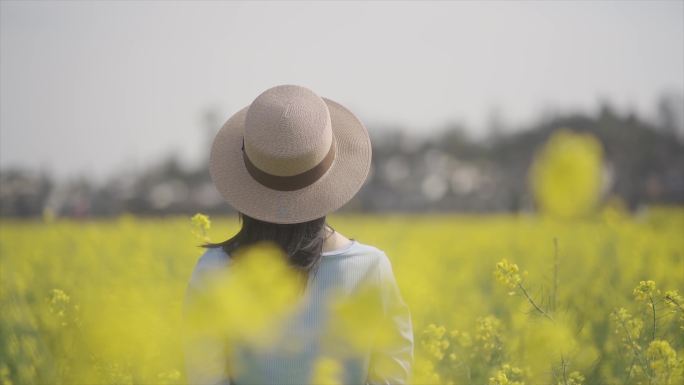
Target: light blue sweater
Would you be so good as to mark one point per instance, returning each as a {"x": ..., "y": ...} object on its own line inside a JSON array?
[{"x": 346, "y": 269}]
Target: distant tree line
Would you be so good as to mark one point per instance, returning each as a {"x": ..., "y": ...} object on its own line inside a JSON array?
[{"x": 644, "y": 164}]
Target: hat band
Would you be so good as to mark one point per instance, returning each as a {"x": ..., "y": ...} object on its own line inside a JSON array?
[{"x": 292, "y": 182}]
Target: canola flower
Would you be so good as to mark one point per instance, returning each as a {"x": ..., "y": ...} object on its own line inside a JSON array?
[
  {"x": 662, "y": 368},
  {"x": 663, "y": 363},
  {"x": 461, "y": 338},
  {"x": 675, "y": 300},
  {"x": 488, "y": 338},
  {"x": 432, "y": 341},
  {"x": 508, "y": 375},
  {"x": 260, "y": 283},
  {"x": 675, "y": 303},
  {"x": 653, "y": 360},
  {"x": 566, "y": 176},
  {"x": 327, "y": 371},
  {"x": 628, "y": 327},
  {"x": 200, "y": 225},
  {"x": 100, "y": 302},
  {"x": 59, "y": 302},
  {"x": 574, "y": 378},
  {"x": 356, "y": 323},
  {"x": 645, "y": 291},
  {"x": 508, "y": 273}
]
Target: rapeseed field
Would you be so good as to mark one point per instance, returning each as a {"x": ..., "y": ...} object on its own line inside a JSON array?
[{"x": 581, "y": 292}]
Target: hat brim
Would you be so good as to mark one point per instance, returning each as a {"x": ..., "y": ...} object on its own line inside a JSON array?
[{"x": 337, "y": 186}]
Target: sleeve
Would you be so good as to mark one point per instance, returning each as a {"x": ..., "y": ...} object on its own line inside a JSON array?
[
  {"x": 392, "y": 361},
  {"x": 204, "y": 352}
]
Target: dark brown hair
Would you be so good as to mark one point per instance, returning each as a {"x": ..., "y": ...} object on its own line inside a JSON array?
[{"x": 302, "y": 242}]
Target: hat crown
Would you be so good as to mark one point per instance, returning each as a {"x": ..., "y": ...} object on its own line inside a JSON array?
[{"x": 287, "y": 130}]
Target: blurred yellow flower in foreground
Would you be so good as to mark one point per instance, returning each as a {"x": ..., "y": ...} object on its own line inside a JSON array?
[
  {"x": 566, "y": 174},
  {"x": 243, "y": 301},
  {"x": 356, "y": 322},
  {"x": 327, "y": 371}
]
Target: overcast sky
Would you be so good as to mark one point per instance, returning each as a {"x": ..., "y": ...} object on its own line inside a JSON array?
[{"x": 92, "y": 87}]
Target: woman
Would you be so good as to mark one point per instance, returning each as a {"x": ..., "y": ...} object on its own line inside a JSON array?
[{"x": 284, "y": 162}]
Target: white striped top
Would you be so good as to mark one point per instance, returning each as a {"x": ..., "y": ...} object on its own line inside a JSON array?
[{"x": 344, "y": 269}]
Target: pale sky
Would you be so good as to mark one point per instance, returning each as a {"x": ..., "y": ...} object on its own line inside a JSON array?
[{"x": 93, "y": 87}]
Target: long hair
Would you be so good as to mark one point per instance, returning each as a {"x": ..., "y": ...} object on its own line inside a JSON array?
[{"x": 302, "y": 242}]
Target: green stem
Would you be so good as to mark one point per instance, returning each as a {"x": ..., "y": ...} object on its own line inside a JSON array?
[
  {"x": 629, "y": 372},
  {"x": 540, "y": 310},
  {"x": 632, "y": 344},
  {"x": 555, "y": 274},
  {"x": 672, "y": 301},
  {"x": 654, "y": 317},
  {"x": 565, "y": 377}
]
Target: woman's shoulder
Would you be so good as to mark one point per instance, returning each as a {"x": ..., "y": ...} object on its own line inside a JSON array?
[
  {"x": 373, "y": 256},
  {"x": 366, "y": 249},
  {"x": 212, "y": 258},
  {"x": 215, "y": 258}
]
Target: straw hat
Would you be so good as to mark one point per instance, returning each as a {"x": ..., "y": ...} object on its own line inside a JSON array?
[{"x": 290, "y": 156}]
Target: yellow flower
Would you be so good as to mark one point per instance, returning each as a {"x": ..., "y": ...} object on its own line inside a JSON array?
[
  {"x": 59, "y": 297},
  {"x": 508, "y": 273},
  {"x": 248, "y": 285},
  {"x": 357, "y": 321},
  {"x": 574, "y": 378},
  {"x": 674, "y": 300},
  {"x": 201, "y": 225},
  {"x": 433, "y": 341},
  {"x": 566, "y": 174},
  {"x": 645, "y": 291},
  {"x": 488, "y": 337},
  {"x": 676, "y": 304},
  {"x": 663, "y": 362},
  {"x": 327, "y": 371},
  {"x": 201, "y": 221},
  {"x": 508, "y": 375},
  {"x": 628, "y": 327}
]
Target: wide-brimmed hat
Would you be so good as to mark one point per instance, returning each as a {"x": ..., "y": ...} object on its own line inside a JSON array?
[{"x": 290, "y": 156}]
